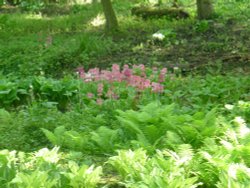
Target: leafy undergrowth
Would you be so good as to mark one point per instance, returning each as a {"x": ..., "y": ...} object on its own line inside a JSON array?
[
  {"x": 155, "y": 146},
  {"x": 56, "y": 44},
  {"x": 149, "y": 125},
  {"x": 125, "y": 127}
]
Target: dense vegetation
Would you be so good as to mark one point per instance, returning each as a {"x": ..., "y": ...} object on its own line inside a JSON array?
[{"x": 157, "y": 103}]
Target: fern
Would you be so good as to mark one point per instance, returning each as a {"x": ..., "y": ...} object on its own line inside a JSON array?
[
  {"x": 55, "y": 138},
  {"x": 148, "y": 127},
  {"x": 164, "y": 169},
  {"x": 69, "y": 139},
  {"x": 226, "y": 159},
  {"x": 105, "y": 138}
]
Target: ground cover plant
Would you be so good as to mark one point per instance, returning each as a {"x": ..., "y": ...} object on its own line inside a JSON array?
[{"x": 156, "y": 103}]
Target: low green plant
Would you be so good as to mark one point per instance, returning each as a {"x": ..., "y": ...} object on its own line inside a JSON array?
[
  {"x": 33, "y": 179},
  {"x": 8, "y": 93},
  {"x": 45, "y": 168},
  {"x": 7, "y": 167},
  {"x": 69, "y": 139},
  {"x": 154, "y": 125},
  {"x": 227, "y": 158},
  {"x": 165, "y": 169},
  {"x": 105, "y": 139},
  {"x": 202, "y": 26},
  {"x": 80, "y": 176}
]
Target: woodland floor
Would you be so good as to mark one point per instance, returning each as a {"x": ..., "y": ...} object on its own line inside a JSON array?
[
  {"x": 225, "y": 45},
  {"x": 222, "y": 43}
]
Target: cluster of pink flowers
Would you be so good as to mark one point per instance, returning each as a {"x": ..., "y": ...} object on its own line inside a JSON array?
[{"x": 135, "y": 77}]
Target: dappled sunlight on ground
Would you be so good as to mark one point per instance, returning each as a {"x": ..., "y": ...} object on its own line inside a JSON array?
[{"x": 98, "y": 20}]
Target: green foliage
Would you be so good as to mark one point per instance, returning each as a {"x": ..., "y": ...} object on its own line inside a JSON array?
[
  {"x": 69, "y": 139},
  {"x": 45, "y": 168},
  {"x": 193, "y": 134},
  {"x": 7, "y": 165},
  {"x": 79, "y": 176},
  {"x": 201, "y": 26},
  {"x": 222, "y": 161},
  {"x": 8, "y": 93},
  {"x": 165, "y": 169},
  {"x": 35, "y": 179},
  {"x": 5, "y": 117},
  {"x": 227, "y": 158},
  {"x": 153, "y": 124},
  {"x": 25, "y": 91},
  {"x": 205, "y": 92},
  {"x": 105, "y": 139}
]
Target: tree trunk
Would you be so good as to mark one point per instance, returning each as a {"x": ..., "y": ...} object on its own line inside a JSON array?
[
  {"x": 204, "y": 9},
  {"x": 111, "y": 20}
]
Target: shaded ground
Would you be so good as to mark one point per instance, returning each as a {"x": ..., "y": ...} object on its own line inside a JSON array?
[
  {"x": 217, "y": 44},
  {"x": 223, "y": 44}
]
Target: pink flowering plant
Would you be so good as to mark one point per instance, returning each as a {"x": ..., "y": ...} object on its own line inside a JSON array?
[{"x": 120, "y": 82}]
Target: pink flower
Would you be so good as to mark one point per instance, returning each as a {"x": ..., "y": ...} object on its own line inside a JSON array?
[
  {"x": 142, "y": 67},
  {"x": 95, "y": 73},
  {"x": 134, "y": 81},
  {"x": 115, "y": 68},
  {"x": 147, "y": 83},
  {"x": 139, "y": 81},
  {"x": 111, "y": 95},
  {"x": 127, "y": 72},
  {"x": 108, "y": 76},
  {"x": 80, "y": 72},
  {"x": 88, "y": 77},
  {"x": 125, "y": 67},
  {"x": 162, "y": 75},
  {"x": 104, "y": 75},
  {"x": 90, "y": 95},
  {"x": 164, "y": 70},
  {"x": 117, "y": 76},
  {"x": 155, "y": 69},
  {"x": 99, "y": 101},
  {"x": 157, "y": 88},
  {"x": 99, "y": 89}
]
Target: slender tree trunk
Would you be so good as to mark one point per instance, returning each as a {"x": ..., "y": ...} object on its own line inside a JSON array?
[
  {"x": 111, "y": 20},
  {"x": 204, "y": 9}
]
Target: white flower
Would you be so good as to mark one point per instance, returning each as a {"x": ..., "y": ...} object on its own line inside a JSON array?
[
  {"x": 50, "y": 156},
  {"x": 241, "y": 102},
  {"x": 229, "y": 106},
  {"x": 243, "y": 131},
  {"x": 176, "y": 68},
  {"x": 232, "y": 171},
  {"x": 239, "y": 121},
  {"x": 227, "y": 145},
  {"x": 88, "y": 77},
  {"x": 158, "y": 36},
  {"x": 234, "y": 168}
]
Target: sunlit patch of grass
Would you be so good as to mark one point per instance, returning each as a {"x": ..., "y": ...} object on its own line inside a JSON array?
[{"x": 98, "y": 20}]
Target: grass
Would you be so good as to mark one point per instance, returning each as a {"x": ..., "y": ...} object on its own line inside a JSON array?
[
  {"x": 198, "y": 125},
  {"x": 76, "y": 42}
]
